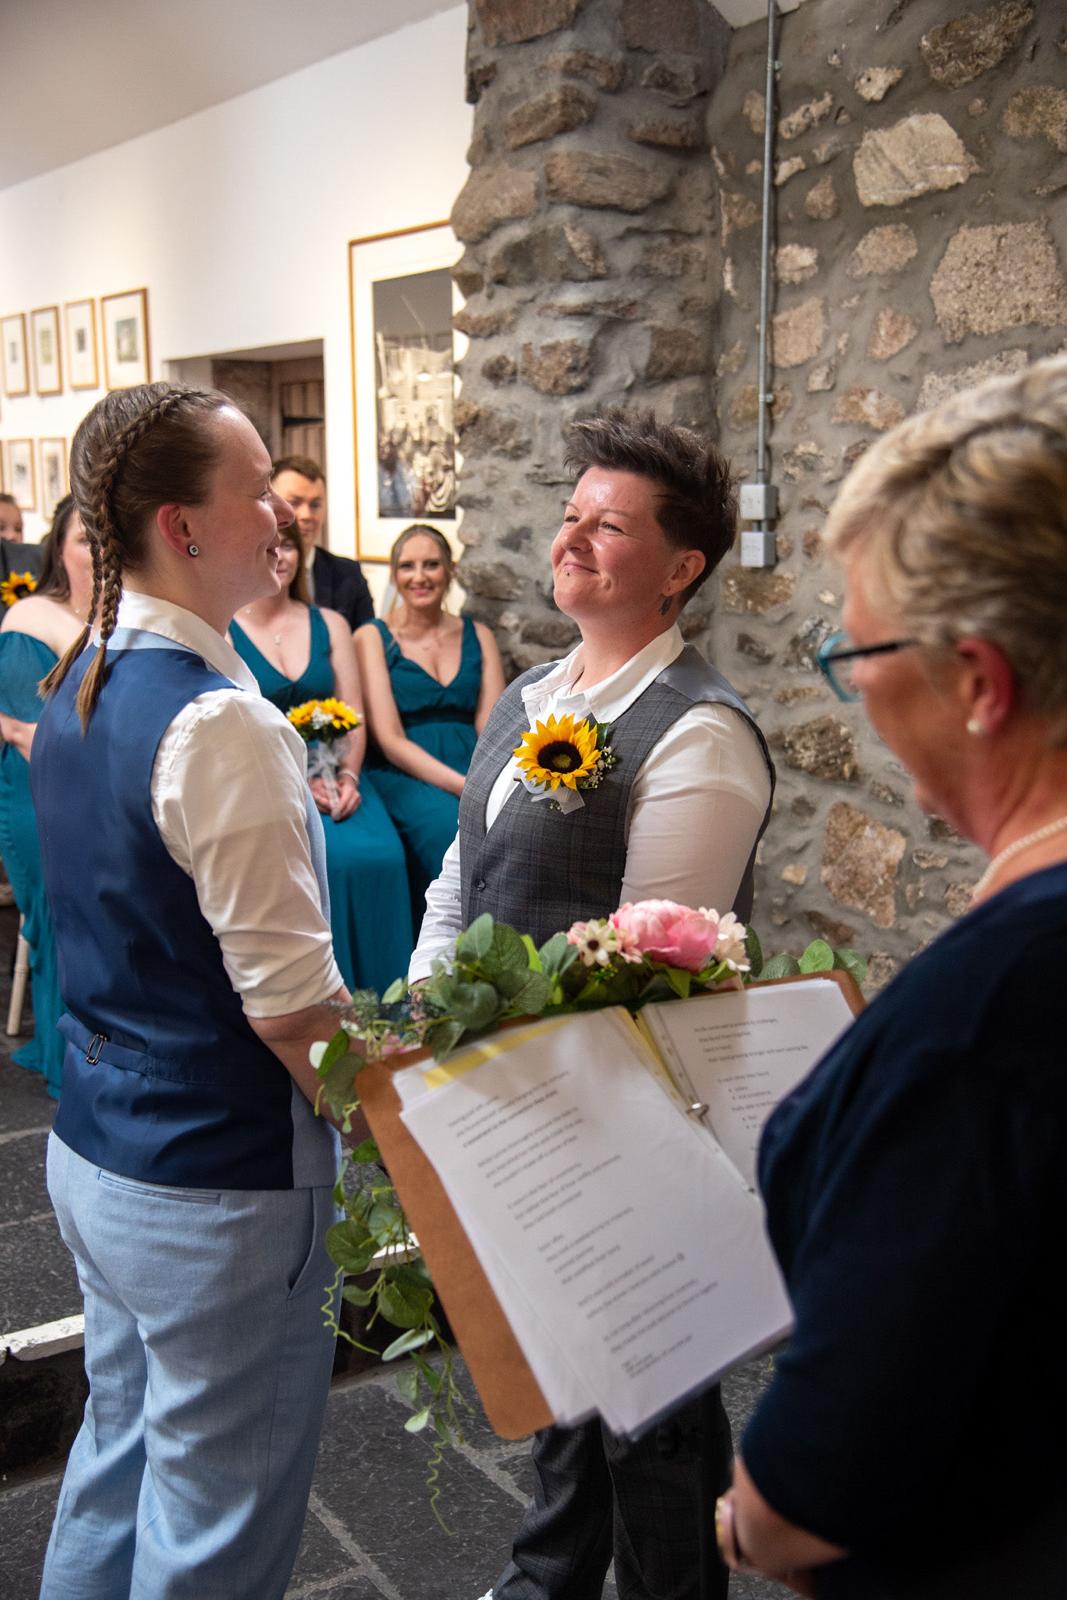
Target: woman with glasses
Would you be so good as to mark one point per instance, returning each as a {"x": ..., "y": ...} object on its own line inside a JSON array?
[{"x": 911, "y": 1440}]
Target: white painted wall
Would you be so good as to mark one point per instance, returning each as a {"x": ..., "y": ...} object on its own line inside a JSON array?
[{"x": 237, "y": 220}]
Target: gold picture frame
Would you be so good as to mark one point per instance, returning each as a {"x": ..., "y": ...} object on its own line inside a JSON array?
[
  {"x": 55, "y": 480},
  {"x": 83, "y": 354},
  {"x": 404, "y": 350},
  {"x": 47, "y": 354},
  {"x": 127, "y": 354},
  {"x": 14, "y": 355},
  {"x": 20, "y": 473}
]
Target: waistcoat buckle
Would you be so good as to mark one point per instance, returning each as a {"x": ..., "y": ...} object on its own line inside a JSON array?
[{"x": 96, "y": 1044}]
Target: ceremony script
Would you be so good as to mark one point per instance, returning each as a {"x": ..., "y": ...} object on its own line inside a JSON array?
[{"x": 603, "y": 1171}]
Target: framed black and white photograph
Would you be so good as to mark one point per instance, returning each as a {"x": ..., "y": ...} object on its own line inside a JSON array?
[
  {"x": 47, "y": 358},
  {"x": 15, "y": 358},
  {"x": 126, "y": 355},
  {"x": 404, "y": 351},
  {"x": 83, "y": 365},
  {"x": 21, "y": 481},
  {"x": 54, "y": 481}
]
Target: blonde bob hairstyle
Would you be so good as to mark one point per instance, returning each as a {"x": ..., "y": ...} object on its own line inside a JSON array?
[{"x": 959, "y": 517}]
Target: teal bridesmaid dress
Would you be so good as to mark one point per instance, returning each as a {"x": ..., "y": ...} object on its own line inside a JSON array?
[
  {"x": 23, "y": 662},
  {"x": 370, "y": 907},
  {"x": 440, "y": 718}
]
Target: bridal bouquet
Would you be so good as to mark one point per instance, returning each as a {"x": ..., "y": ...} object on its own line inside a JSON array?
[
  {"x": 321, "y": 723},
  {"x": 649, "y": 951}
]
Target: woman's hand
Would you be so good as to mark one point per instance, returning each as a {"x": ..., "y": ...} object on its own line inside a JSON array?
[{"x": 343, "y": 801}]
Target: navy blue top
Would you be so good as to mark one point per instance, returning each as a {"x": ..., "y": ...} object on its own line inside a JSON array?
[
  {"x": 164, "y": 1080},
  {"x": 916, "y": 1192}
]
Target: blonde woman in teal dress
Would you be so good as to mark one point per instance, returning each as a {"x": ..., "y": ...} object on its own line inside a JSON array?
[
  {"x": 297, "y": 652},
  {"x": 34, "y": 633},
  {"x": 430, "y": 681}
]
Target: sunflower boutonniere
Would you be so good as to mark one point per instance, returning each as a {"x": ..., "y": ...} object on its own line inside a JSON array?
[
  {"x": 563, "y": 756},
  {"x": 16, "y": 587}
]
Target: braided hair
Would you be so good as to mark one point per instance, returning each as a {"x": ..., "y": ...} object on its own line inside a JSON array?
[{"x": 136, "y": 450}]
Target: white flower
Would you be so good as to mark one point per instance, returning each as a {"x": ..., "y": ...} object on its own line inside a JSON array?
[
  {"x": 595, "y": 940},
  {"x": 730, "y": 942}
]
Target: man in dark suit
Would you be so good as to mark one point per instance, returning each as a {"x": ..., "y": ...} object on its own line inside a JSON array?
[
  {"x": 14, "y": 555},
  {"x": 334, "y": 580}
]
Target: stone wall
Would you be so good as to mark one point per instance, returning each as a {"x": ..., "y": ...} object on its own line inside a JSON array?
[
  {"x": 921, "y": 210},
  {"x": 611, "y": 232},
  {"x": 591, "y": 266}
]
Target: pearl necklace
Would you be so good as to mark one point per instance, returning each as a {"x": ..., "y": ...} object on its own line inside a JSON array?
[{"x": 1015, "y": 849}]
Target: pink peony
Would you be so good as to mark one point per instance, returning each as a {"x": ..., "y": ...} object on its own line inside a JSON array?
[{"x": 669, "y": 932}]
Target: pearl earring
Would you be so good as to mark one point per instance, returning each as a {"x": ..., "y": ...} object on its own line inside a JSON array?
[
  {"x": 194, "y": 550},
  {"x": 975, "y": 725}
]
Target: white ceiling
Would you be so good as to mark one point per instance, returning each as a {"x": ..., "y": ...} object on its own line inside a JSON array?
[{"x": 82, "y": 75}]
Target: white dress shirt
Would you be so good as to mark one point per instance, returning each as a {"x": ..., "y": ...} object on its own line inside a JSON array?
[
  {"x": 229, "y": 795},
  {"x": 695, "y": 806}
]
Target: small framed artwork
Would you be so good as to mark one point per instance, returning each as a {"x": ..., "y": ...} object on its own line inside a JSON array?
[
  {"x": 83, "y": 368},
  {"x": 125, "y": 320},
  {"x": 16, "y": 363},
  {"x": 47, "y": 359},
  {"x": 404, "y": 350},
  {"x": 20, "y": 475},
  {"x": 54, "y": 484}
]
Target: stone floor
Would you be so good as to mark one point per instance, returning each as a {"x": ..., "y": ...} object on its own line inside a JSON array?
[{"x": 370, "y": 1533}]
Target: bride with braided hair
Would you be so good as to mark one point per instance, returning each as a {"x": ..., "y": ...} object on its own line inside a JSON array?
[{"x": 183, "y": 859}]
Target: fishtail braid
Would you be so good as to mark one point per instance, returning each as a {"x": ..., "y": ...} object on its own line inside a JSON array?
[{"x": 99, "y": 485}]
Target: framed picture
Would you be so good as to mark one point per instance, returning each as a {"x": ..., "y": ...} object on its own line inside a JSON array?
[
  {"x": 47, "y": 359},
  {"x": 54, "y": 481},
  {"x": 126, "y": 357},
  {"x": 16, "y": 363},
  {"x": 20, "y": 475},
  {"x": 83, "y": 367},
  {"x": 404, "y": 349}
]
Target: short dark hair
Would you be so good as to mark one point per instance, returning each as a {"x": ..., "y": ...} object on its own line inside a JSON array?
[
  {"x": 302, "y": 464},
  {"x": 53, "y": 579},
  {"x": 696, "y": 506}
]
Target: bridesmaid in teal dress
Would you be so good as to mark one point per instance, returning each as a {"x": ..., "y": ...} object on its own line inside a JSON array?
[
  {"x": 33, "y": 635},
  {"x": 430, "y": 680},
  {"x": 297, "y": 652}
]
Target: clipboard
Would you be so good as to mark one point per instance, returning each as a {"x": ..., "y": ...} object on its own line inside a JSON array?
[{"x": 510, "y": 1394}]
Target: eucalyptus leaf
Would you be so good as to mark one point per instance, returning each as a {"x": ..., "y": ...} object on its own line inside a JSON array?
[
  {"x": 418, "y": 1421},
  {"x": 407, "y": 1384},
  {"x": 477, "y": 941},
  {"x": 414, "y": 1339},
  {"x": 385, "y": 1220},
  {"x": 818, "y": 957},
  {"x": 395, "y": 992},
  {"x": 444, "y": 1036},
  {"x": 475, "y": 1004},
  {"x": 350, "y": 1246},
  {"x": 534, "y": 995},
  {"x": 557, "y": 955},
  {"x": 366, "y": 1152},
  {"x": 848, "y": 960},
  {"x": 780, "y": 966},
  {"x": 404, "y": 1305},
  {"x": 754, "y": 952},
  {"x": 357, "y": 1296}
]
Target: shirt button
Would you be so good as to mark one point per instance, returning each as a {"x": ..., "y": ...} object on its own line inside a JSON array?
[{"x": 480, "y": 885}]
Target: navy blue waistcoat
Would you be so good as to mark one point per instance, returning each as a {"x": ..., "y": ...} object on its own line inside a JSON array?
[{"x": 164, "y": 1080}]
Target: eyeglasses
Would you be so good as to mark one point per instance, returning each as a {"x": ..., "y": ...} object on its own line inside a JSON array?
[{"x": 836, "y": 656}]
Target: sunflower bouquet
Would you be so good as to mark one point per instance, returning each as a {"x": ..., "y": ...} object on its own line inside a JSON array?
[
  {"x": 321, "y": 724},
  {"x": 16, "y": 586},
  {"x": 563, "y": 756}
]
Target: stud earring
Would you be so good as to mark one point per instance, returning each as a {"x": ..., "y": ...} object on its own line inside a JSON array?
[
  {"x": 975, "y": 725},
  {"x": 193, "y": 550}
]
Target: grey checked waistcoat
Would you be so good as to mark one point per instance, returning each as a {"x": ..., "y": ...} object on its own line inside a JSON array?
[{"x": 540, "y": 870}]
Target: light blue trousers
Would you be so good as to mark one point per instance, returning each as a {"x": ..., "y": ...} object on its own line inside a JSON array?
[{"x": 209, "y": 1365}]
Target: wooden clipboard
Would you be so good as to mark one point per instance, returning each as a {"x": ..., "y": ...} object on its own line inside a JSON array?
[{"x": 509, "y": 1392}]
